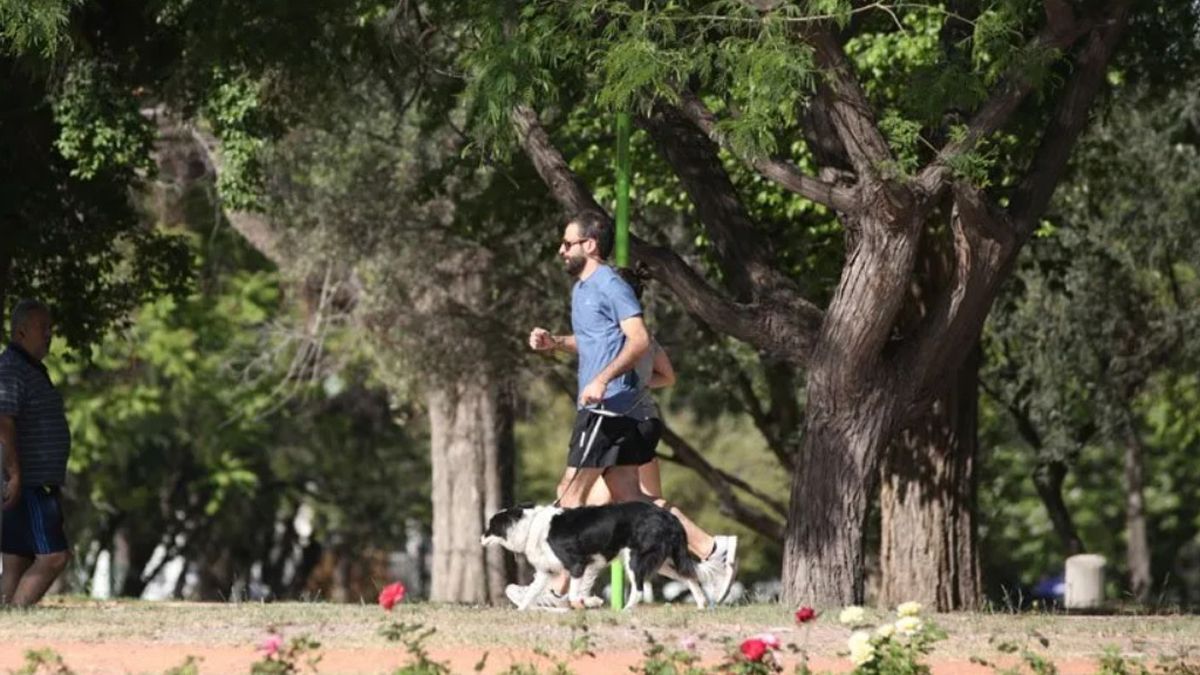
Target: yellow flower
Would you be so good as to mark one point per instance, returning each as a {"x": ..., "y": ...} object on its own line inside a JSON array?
[
  {"x": 909, "y": 609},
  {"x": 861, "y": 649},
  {"x": 908, "y": 625},
  {"x": 852, "y": 616},
  {"x": 885, "y": 631}
]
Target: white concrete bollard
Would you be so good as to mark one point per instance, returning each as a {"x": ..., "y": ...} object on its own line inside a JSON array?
[{"x": 1085, "y": 581}]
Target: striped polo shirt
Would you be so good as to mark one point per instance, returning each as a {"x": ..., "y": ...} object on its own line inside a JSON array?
[{"x": 28, "y": 396}]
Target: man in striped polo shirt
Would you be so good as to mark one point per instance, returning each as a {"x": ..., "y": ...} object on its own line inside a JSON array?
[{"x": 33, "y": 430}]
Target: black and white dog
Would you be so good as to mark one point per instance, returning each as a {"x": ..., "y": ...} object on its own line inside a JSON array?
[{"x": 581, "y": 541}]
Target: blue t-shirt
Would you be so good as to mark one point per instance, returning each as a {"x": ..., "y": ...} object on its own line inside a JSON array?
[{"x": 598, "y": 306}]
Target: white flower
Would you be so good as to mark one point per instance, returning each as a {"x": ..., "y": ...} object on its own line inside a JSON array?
[
  {"x": 909, "y": 609},
  {"x": 908, "y": 625},
  {"x": 852, "y": 616},
  {"x": 861, "y": 649},
  {"x": 885, "y": 631}
]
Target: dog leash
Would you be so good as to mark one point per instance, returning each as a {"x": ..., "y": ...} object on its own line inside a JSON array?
[{"x": 600, "y": 413}]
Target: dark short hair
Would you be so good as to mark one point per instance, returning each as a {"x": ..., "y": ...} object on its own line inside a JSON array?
[
  {"x": 593, "y": 225},
  {"x": 21, "y": 312}
]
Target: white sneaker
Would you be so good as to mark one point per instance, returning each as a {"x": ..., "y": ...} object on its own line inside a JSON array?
[
  {"x": 547, "y": 600},
  {"x": 717, "y": 571}
]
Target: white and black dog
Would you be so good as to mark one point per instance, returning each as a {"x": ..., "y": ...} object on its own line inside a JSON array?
[{"x": 581, "y": 541}]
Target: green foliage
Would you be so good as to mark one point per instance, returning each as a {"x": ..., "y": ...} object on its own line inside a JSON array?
[
  {"x": 188, "y": 430},
  {"x": 974, "y": 166},
  {"x": 234, "y": 112},
  {"x": 34, "y": 26},
  {"x": 190, "y": 666},
  {"x": 658, "y": 659},
  {"x": 1030, "y": 657},
  {"x": 895, "y": 648},
  {"x": 101, "y": 128},
  {"x": 43, "y": 662},
  {"x": 1113, "y": 662},
  {"x": 766, "y": 79},
  {"x": 413, "y": 637},
  {"x": 904, "y": 136},
  {"x": 298, "y": 655},
  {"x": 79, "y": 244},
  {"x": 1087, "y": 345}
]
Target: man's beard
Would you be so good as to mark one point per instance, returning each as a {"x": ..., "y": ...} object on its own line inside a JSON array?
[{"x": 574, "y": 264}]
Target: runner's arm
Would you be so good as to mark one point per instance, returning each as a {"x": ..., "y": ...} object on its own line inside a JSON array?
[{"x": 663, "y": 374}]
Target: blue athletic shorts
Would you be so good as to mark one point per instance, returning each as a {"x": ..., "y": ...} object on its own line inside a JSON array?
[{"x": 35, "y": 525}]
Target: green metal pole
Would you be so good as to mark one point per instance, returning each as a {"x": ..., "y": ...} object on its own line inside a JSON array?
[{"x": 624, "y": 127}]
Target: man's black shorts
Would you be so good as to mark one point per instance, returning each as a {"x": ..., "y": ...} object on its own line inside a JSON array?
[{"x": 600, "y": 441}]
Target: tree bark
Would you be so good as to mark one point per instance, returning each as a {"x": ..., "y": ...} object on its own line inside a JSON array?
[
  {"x": 823, "y": 554},
  {"x": 464, "y": 422},
  {"x": 928, "y": 547},
  {"x": 1137, "y": 551}
]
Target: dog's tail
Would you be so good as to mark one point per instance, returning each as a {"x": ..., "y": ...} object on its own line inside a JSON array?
[{"x": 683, "y": 563}]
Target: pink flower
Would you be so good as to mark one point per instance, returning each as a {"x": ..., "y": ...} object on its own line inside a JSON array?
[
  {"x": 768, "y": 640},
  {"x": 687, "y": 643},
  {"x": 390, "y": 595},
  {"x": 272, "y": 644},
  {"x": 805, "y": 614},
  {"x": 753, "y": 649}
]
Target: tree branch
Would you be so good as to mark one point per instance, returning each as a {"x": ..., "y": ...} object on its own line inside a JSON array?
[
  {"x": 784, "y": 332},
  {"x": 779, "y": 328},
  {"x": 1059, "y": 15},
  {"x": 736, "y": 243},
  {"x": 848, "y": 108},
  {"x": 782, "y": 172},
  {"x": 827, "y": 149},
  {"x": 984, "y": 250},
  {"x": 781, "y": 417},
  {"x": 723, "y": 484},
  {"x": 255, "y": 228},
  {"x": 1017, "y": 85},
  {"x": 564, "y": 185},
  {"x": 1070, "y": 117}
]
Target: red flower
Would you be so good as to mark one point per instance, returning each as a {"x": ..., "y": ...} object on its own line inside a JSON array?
[
  {"x": 390, "y": 595},
  {"x": 805, "y": 614},
  {"x": 754, "y": 649}
]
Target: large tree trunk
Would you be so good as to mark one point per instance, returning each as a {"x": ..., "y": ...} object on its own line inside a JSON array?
[
  {"x": 928, "y": 547},
  {"x": 824, "y": 552},
  {"x": 852, "y": 401},
  {"x": 471, "y": 444},
  {"x": 465, "y": 420},
  {"x": 1137, "y": 549}
]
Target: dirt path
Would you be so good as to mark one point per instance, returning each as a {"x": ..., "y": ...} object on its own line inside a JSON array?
[
  {"x": 139, "y": 637},
  {"x": 135, "y": 657}
]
